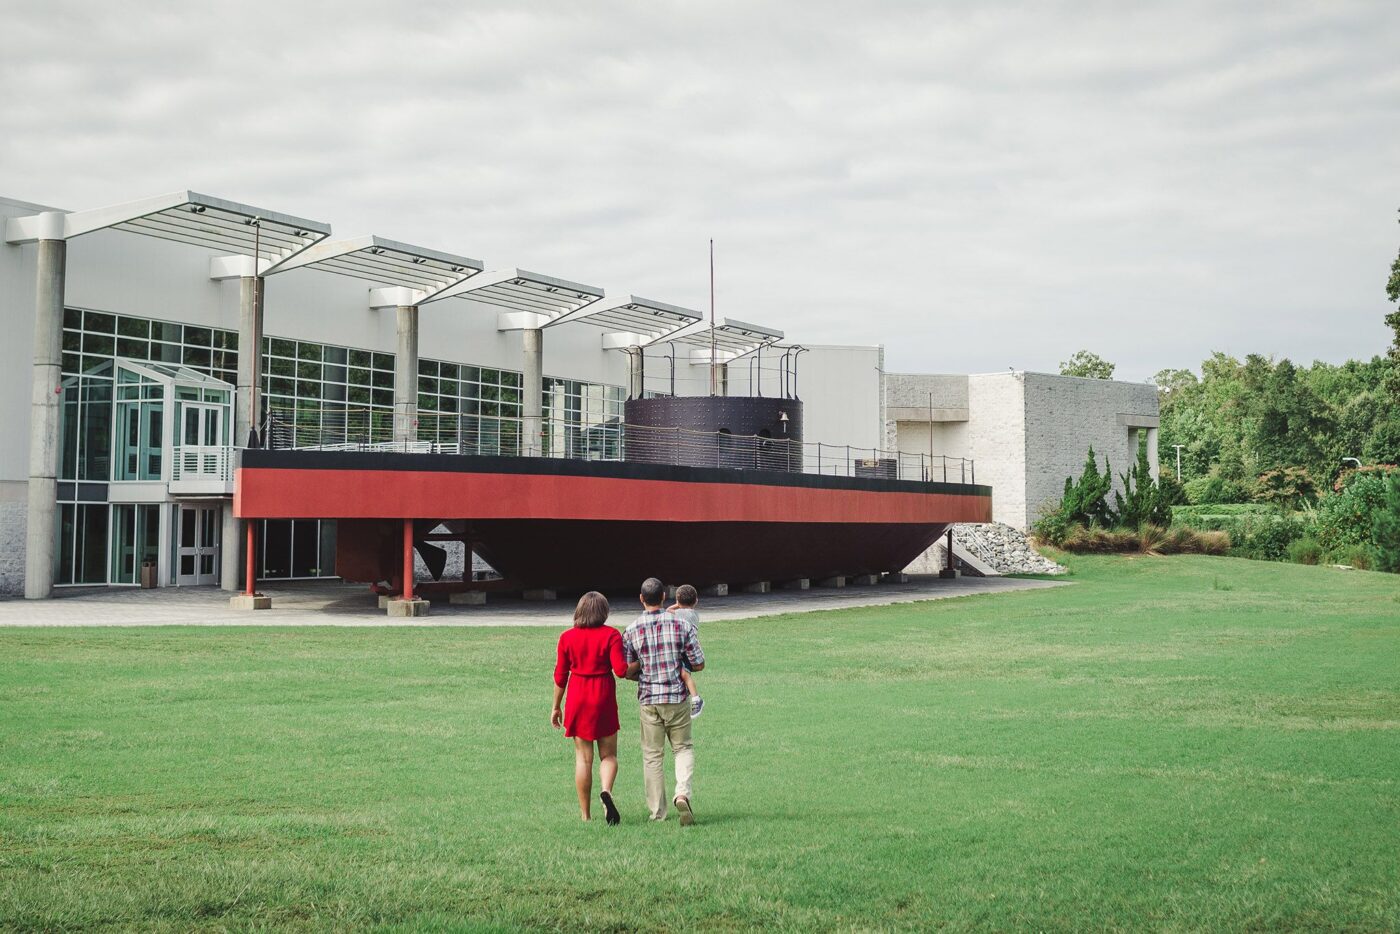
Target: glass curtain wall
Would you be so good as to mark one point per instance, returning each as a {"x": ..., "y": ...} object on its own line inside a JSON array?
[{"x": 476, "y": 407}]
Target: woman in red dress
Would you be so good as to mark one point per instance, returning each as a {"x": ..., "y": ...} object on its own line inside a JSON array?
[{"x": 589, "y": 655}]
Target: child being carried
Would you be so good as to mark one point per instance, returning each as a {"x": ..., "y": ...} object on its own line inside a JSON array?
[{"x": 684, "y": 608}]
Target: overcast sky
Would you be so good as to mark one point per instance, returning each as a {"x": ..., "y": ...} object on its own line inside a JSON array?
[{"x": 974, "y": 185}]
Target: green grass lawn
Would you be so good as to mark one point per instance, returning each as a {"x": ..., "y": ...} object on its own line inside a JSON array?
[{"x": 1176, "y": 743}]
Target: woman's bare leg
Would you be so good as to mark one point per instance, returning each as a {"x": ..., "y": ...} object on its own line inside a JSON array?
[
  {"x": 583, "y": 773},
  {"x": 607, "y": 768}
]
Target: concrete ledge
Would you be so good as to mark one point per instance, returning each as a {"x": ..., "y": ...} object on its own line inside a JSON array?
[
  {"x": 467, "y": 598},
  {"x": 715, "y": 590},
  {"x": 406, "y": 608},
  {"x": 759, "y": 587},
  {"x": 801, "y": 583},
  {"x": 950, "y": 574},
  {"x": 243, "y": 601},
  {"x": 539, "y": 595},
  {"x": 384, "y": 599},
  {"x": 896, "y": 577},
  {"x": 832, "y": 582},
  {"x": 864, "y": 580}
]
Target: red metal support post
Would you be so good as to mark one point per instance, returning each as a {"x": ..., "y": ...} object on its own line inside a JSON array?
[
  {"x": 408, "y": 559},
  {"x": 251, "y": 588}
]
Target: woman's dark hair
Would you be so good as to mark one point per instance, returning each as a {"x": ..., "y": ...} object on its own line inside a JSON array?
[{"x": 592, "y": 610}]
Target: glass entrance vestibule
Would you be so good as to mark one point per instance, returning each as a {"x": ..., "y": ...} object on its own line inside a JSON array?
[{"x": 146, "y": 466}]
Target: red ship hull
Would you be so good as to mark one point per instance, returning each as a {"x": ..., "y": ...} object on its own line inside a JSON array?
[{"x": 573, "y": 525}]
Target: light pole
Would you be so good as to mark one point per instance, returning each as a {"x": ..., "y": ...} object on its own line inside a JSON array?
[
  {"x": 1352, "y": 460},
  {"x": 1178, "y": 460}
]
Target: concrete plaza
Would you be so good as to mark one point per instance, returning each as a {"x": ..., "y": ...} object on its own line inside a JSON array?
[{"x": 327, "y": 603}]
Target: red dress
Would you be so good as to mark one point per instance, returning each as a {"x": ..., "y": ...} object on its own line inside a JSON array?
[{"x": 586, "y": 662}]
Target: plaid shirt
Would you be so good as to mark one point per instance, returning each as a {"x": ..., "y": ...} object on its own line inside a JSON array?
[{"x": 659, "y": 641}]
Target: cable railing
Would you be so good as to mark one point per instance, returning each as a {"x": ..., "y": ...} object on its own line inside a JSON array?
[{"x": 374, "y": 430}]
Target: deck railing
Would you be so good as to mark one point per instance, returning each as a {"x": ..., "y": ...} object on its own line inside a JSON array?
[
  {"x": 201, "y": 462},
  {"x": 345, "y": 429}
]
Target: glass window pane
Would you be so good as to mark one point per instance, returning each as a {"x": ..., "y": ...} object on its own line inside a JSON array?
[
  {"x": 135, "y": 349},
  {"x": 335, "y": 354},
  {"x": 167, "y": 331},
  {"x": 384, "y": 361},
  {"x": 361, "y": 358},
  {"x": 98, "y": 344},
  {"x": 92, "y": 544},
  {"x": 133, "y": 327},
  {"x": 97, "y": 321},
  {"x": 307, "y": 351},
  {"x": 383, "y": 380},
  {"x": 283, "y": 348},
  {"x": 198, "y": 357},
  {"x": 306, "y": 548},
  {"x": 308, "y": 370},
  {"x": 72, "y": 319}
]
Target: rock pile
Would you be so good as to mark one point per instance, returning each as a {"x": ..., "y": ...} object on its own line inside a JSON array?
[{"x": 1005, "y": 549}]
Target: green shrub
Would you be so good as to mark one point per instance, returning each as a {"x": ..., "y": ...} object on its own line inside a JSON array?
[
  {"x": 1188, "y": 515},
  {"x": 1345, "y": 517},
  {"x": 1260, "y": 533},
  {"x": 1214, "y": 488},
  {"x": 1305, "y": 550},
  {"x": 1143, "y": 500},
  {"x": 1385, "y": 527},
  {"x": 1357, "y": 556},
  {"x": 1086, "y": 501}
]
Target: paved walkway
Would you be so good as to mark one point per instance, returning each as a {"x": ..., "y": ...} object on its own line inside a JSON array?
[{"x": 328, "y": 603}]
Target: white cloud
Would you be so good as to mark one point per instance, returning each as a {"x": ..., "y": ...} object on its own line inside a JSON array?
[{"x": 974, "y": 185}]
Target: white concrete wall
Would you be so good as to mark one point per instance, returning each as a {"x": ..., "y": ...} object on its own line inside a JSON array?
[
  {"x": 840, "y": 388},
  {"x": 1065, "y": 415},
  {"x": 996, "y": 441}
]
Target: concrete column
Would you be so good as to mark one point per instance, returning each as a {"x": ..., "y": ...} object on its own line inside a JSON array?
[
  {"x": 636, "y": 372},
  {"x": 250, "y": 336},
  {"x": 230, "y": 549},
  {"x": 40, "y": 545},
  {"x": 722, "y": 378},
  {"x": 406, "y": 376},
  {"x": 245, "y": 407},
  {"x": 532, "y": 401},
  {"x": 1152, "y": 454}
]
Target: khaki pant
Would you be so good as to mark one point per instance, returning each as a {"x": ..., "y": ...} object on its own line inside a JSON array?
[{"x": 662, "y": 723}]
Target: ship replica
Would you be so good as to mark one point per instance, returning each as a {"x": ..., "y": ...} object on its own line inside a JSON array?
[{"x": 709, "y": 490}]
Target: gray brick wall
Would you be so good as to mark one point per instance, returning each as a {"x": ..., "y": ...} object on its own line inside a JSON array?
[{"x": 1065, "y": 415}]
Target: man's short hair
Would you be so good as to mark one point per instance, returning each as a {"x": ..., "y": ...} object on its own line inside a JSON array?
[
  {"x": 653, "y": 591},
  {"x": 686, "y": 595}
]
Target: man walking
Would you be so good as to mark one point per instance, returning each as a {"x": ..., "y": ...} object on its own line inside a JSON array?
[{"x": 654, "y": 645}]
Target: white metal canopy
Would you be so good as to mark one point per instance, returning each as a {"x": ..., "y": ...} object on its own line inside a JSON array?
[
  {"x": 631, "y": 321},
  {"x": 423, "y": 272},
  {"x": 732, "y": 339},
  {"x": 184, "y": 217},
  {"x": 527, "y": 299}
]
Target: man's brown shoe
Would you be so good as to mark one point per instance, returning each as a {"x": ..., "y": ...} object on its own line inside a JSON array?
[{"x": 687, "y": 815}]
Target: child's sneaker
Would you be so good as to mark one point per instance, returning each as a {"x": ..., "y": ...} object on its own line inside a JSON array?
[{"x": 697, "y": 706}]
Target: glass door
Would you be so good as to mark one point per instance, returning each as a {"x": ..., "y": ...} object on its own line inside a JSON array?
[{"x": 197, "y": 549}]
